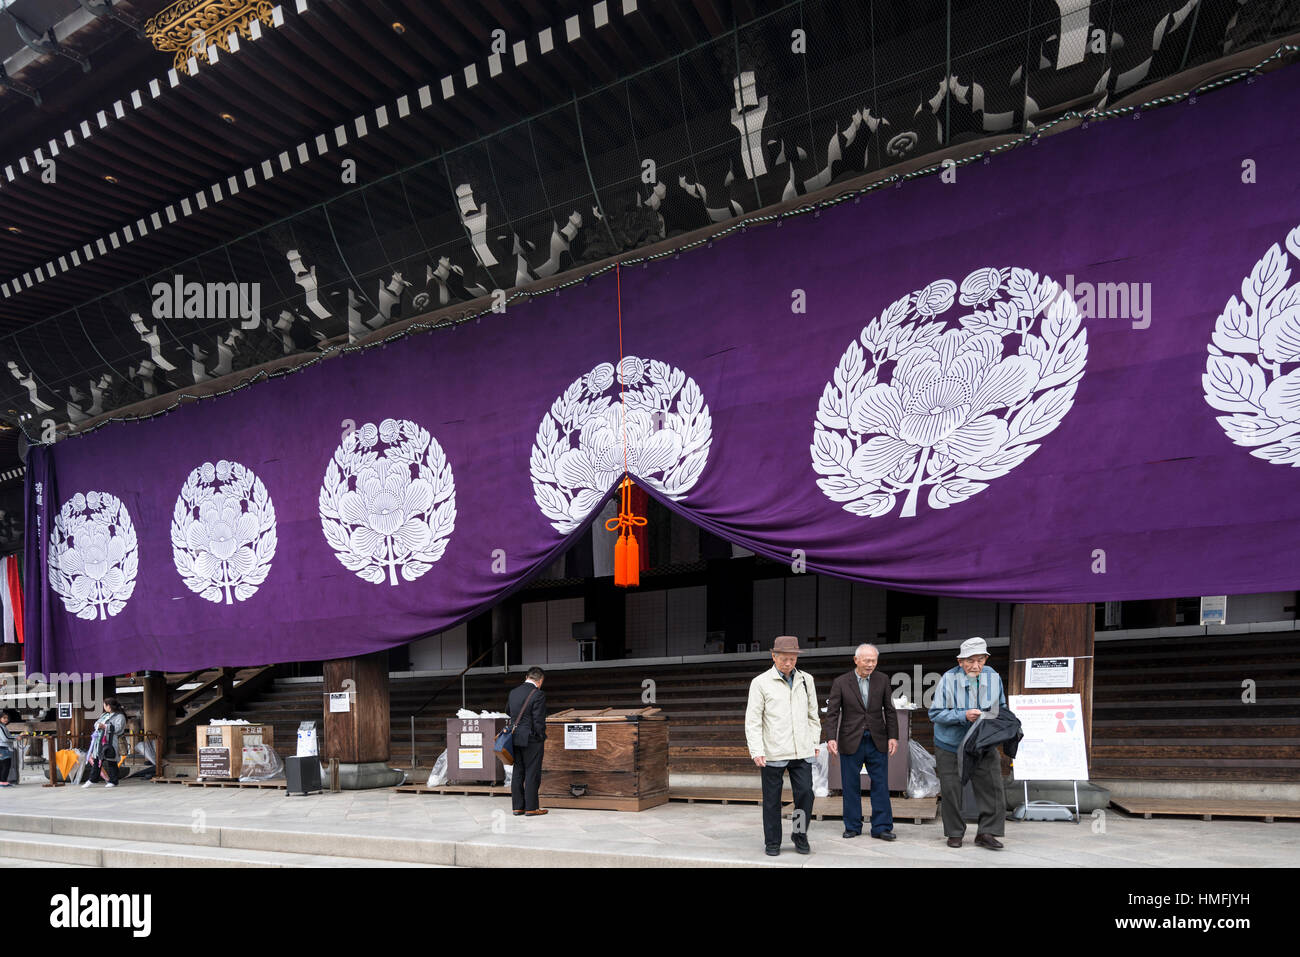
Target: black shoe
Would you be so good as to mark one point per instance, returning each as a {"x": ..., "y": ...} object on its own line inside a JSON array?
[
  {"x": 773, "y": 850},
  {"x": 802, "y": 846},
  {"x": 954, "y": 842},
  {"x": 518, "y": 813},
  {"x": 852, "y": 833},
  {"x": 885, "y": 836},
  {"x": 989, "y": 841}
]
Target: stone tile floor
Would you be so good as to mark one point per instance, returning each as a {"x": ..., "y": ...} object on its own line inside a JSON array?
[{"x": 706, "y": 834}]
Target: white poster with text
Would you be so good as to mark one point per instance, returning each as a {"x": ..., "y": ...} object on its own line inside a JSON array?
[{"x": 1053, "y": 746}]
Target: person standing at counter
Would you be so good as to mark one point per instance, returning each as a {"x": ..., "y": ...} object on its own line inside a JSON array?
[
  {"x": 102, "y": 757},
  {"x": 782, "y": 728},
  {"x": 527, "y": 709},
  {"x": 963, "y": 693},
  {"x": 9, "y": 757},
  {"x": 865, "y": 733}
]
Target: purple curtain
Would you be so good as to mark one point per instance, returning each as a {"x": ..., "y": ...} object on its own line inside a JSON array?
[{"x": 1073, "y": 374}]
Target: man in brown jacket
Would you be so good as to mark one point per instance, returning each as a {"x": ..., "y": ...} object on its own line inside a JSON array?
[{"x": 864, "y": 726}]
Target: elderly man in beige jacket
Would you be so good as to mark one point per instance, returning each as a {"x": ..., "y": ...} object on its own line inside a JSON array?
[{"x": 782, "y": 728}]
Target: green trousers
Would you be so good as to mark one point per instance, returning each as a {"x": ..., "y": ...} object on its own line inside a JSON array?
[{"x": 989, "y": 796}]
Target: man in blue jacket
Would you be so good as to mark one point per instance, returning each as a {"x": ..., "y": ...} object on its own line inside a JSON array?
[{"x": 961, "y": 695}]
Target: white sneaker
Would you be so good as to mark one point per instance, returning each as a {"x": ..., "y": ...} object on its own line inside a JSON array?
[
  {"x": 110, "y": 785},
  {"x": 88, "y": 784}
]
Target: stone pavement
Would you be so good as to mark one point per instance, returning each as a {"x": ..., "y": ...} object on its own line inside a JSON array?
[{"x": 194, "y": 825}]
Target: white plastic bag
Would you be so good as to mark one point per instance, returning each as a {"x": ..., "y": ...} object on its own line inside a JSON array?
[
  {"x": 923, "y": 779},
  {"x": 821, "y": 772},
  {"x": 510, "y": 772},
  {"x": 74, "y": 776},
  {"x": 146, "y": 750},
  {"x": 260, "y": 763},
  {"x": 438, "y": 776}
]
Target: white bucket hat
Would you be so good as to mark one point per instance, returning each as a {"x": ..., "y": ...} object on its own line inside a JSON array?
[{"x": 973, "y": 646}]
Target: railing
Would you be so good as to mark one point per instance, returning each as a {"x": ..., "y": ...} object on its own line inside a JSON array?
[
  {"x": 56, "y": 740},
  {"x": 230, "y": 692},
  {"x": 443, "y": 687},
  {"x": 223, "y": 675}
]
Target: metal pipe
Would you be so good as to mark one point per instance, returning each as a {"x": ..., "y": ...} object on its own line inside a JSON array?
[
  {"x": 591, "y": 178},
  {"x": 947, "y": 99},
  {"x": 1191, "y": 35}
]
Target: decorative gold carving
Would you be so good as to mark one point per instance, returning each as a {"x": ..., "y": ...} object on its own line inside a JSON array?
[{"x": 188, "y": 27}]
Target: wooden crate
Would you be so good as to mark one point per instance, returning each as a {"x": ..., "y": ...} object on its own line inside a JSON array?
[
  {"x": 1208, "y": 808},
  {"x": 626, "y": 771},
  {"x": 471, "y": 740},
  {"x": 226, "y": 783},
  {"x": 491, "y": 790},
  {"x": 213, "y": 739}
]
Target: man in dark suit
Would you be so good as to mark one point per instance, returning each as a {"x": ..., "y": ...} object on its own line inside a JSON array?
[
  {"x": 527, "y": 704},
  {"x": 865, "y": 728}
]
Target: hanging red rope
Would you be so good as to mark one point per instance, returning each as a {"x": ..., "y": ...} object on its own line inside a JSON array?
[{"x": 627, "y": 553}]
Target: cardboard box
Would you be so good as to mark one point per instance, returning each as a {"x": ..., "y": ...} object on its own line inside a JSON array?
[{"x": 220, "y": 747}]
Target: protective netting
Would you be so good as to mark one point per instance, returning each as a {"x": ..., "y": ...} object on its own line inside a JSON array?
[{"x": 806, "y": 96}]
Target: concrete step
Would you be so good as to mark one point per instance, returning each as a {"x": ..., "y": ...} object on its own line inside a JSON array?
[
  {"x": 88, "y": 850},
  {"x": 185, "y": 840},
  {"x": 18, "y": 862}
]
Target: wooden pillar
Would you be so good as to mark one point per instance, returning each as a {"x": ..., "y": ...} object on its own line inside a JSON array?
[
  {"x": 478, "y": 637},
  {"x": 78, "y": 727},
  {"x": 729, "y": 602},
  {"x": 51, "y": 767},
  {"x": 361, "y": 734},
  {"x": 157, "y": 715},
  {"x": 1054, "y": 631},
  {"x": 604, "y": 604},
  {"x": 1166, "y": 612},
  {"x": 87, "y": 705},
  {"x": 507, "y": 632}
]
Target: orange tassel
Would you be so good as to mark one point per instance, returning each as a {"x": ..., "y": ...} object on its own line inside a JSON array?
[
  {"x": 627, "y": 553},
  {"x": 620, "y": 561},
  {"x": 633, "y": 558}
]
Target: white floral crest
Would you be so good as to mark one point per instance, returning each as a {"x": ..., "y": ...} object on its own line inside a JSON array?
[
  {"x": 223, "y": 532},
  {"x": 94, "y": 556},
  {"x": 1252, "y": 371},
  {"x": 948, "y": 409},
  {"x": 382, "y": 511},
  {"x": 578, "y": 454}
]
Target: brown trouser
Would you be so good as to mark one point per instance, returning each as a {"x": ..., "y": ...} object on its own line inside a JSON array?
[{"x": 986, "y": 779}]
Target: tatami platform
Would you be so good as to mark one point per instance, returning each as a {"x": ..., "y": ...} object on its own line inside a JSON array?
[
  {"x": 142, "y": 824},
  {"x": 1207, "y": 809}
]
